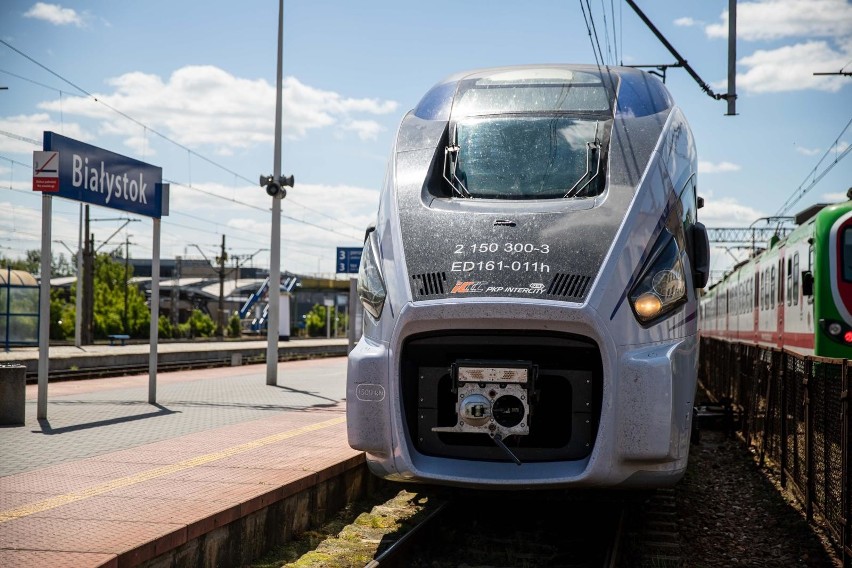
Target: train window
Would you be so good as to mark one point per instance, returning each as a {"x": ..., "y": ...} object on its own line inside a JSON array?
[
  {"x": 847, "y": 254},
  {"x": 796, "y": 276},
  {"x": 811, "y": 266},
  {"x": 780, "y": 281},
  {"x": 530, "y": 134},
  {"x": 789, "y": 281},
  {"x": 641, "y": 95},
  {"x": 436, "y": 104},
  {"x": 772, "y": 290},
  {"x": 530, "y": 156}
]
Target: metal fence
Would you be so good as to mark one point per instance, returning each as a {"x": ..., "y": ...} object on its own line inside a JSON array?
[{"x": 795, "y": 412}]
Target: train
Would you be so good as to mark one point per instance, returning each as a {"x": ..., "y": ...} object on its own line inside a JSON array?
[
  {"x": 796, "y": 294},
  {"x": 530, "y": 286}
]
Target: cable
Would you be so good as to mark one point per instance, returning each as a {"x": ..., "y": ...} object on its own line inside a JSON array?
[
  {"x": 31, "y": 81},
  {"x": 799, "y": 192},
  {"x": 259, "y": 209},
  {"x": 189, "y": 151},
  {"x": 589, "y": 29},
  {"x": 19, "y": 137},
  {"x": 606, "y": 34},
  {"x": 614, "y": 36}
]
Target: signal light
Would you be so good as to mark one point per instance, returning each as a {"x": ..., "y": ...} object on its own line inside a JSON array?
[{"x": 847, "y": 337}]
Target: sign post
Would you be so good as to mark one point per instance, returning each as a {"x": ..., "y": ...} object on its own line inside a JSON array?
[
  {"x": 348, "y": 259},
  {"x": 88, "y": 174}
]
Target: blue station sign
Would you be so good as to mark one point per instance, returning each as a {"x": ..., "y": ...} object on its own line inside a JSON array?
[
  {"x": 100, "y": 177},
  {"x": 348, "y": 259}
]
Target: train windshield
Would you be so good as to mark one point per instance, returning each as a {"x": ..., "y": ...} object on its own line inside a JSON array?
[{"x": 536, "y": 134}]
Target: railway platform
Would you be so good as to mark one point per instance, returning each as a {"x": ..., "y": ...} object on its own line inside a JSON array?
[
  {"x": 220, "y": 468},
  {"x": 68, "y": 361}
]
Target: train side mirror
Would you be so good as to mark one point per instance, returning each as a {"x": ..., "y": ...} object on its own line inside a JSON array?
[
  {"x": 807, "y": 283},
  {"x": 700, "y": 202},
  {"x": 700, "y": 255}
]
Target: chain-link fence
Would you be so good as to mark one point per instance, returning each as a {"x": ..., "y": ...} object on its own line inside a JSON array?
[{"x": 794, "y": 411}]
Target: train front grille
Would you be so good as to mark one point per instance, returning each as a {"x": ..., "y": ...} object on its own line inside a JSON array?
[{"x": 552, "y": 415}]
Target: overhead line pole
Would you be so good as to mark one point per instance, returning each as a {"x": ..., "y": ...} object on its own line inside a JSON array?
[
  {"x": 275, "y": 234},
  {"x": 730, "y": 96}
]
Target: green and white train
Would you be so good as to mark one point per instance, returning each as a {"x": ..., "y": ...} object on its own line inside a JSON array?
[{"x": 797, "y": 294}]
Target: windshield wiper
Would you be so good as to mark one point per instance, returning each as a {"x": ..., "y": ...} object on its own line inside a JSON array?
[
  {"x": 593, "y": 153},
  {"x": 451, "y": 163}
]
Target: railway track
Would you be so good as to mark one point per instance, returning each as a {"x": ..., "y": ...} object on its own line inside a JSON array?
[
  {"x": 95, "y": 372},
  {"x": 453, "y": 528},
  {"x": 524, "y": 529}
]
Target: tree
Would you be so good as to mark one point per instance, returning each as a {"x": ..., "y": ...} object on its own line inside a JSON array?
[
  {"x": 59, "y": 265},
  {"x": 234, "y": 325},
  {"x": 110, "y": 285},
  {"x": 316, "y": 324},
  {"x": 199, "y": 324}
]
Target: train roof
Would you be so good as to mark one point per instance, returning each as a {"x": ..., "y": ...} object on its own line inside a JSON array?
[{"x": 558, "y": 87}]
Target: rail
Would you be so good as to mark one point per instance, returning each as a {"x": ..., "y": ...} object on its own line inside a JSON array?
[{"x": 795, "y": 414}]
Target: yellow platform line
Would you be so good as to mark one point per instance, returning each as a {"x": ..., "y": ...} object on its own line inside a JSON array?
[{"x": 102, "y": 488}]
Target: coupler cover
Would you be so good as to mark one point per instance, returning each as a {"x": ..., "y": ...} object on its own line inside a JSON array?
[{"x": 492, "y": 397}]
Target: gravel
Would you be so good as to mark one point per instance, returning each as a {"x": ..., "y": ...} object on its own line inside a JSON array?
[{"x": 733, "y": 513}]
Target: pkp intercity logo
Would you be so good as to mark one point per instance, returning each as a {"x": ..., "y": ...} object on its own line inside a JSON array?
[{"x": 468, "y": 287}]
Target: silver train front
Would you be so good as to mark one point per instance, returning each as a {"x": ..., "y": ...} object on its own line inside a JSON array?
[{"x": 533, "y": 301}]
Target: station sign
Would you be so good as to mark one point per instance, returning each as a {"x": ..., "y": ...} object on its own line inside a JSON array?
[
  {"x": 93, "y": 175},
  {"x": 348, "y": 259}
]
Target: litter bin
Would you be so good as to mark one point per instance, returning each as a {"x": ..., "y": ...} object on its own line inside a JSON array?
[{"x": 13, "y": 383}]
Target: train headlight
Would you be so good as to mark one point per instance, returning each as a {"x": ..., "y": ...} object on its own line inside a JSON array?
[
  {"x": 371, "y": 285},
  {"x": 662, "y": 286},
  {"x": 835, "y": 328}
]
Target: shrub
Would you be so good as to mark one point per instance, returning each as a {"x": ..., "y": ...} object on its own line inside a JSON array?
[{"x": 234, "y": 325}]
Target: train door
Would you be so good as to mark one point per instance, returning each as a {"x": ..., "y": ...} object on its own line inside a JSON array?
[
  {"x": 756, "y": 293},
  {"x": 780, "y": 301}
]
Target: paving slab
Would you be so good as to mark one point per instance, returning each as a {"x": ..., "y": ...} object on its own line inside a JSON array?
[{"x": 111, "y": 481}]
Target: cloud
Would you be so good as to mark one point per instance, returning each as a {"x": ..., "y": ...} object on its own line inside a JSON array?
[
  {"x": 32, "y": 126},
  {"x": 775, "y": 19},
  {"x": 54, "y": 14},
  {"x": 807, "y": 151},
  {"x": 687, "y": 22},
  {"x": 722, "y": 167},
  {"x": 727, "y": 212},
  {"x": 205, "y": 105},
  {"x": 834, "y": 197},
  {"x": 792, "y": 67},
  {"x": 347, "y": 211}
]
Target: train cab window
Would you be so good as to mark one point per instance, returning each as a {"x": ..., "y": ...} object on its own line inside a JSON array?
[
  {"x": 796, "y": 276},
  {"x": 541, "y": 134},
  {"x": 780, "y": 282},
  {"x": 847, "y": 254}
]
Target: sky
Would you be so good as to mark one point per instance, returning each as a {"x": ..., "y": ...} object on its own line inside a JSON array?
[{"x": 190, "y": 86}]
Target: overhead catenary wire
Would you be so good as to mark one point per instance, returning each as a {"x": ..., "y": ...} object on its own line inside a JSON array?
[
  {"x": 610, "y": 57},
  {"x": 255, "y": 207},
  {"x": 812, "y": 176},
  {"x": 614, "y": 36},
  {"x": 147, "y": 128}
]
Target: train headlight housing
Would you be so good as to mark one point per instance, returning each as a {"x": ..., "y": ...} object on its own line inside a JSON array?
[
  {"x": 371, "y": 285},
  {"x": 662, "y": 286}
]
